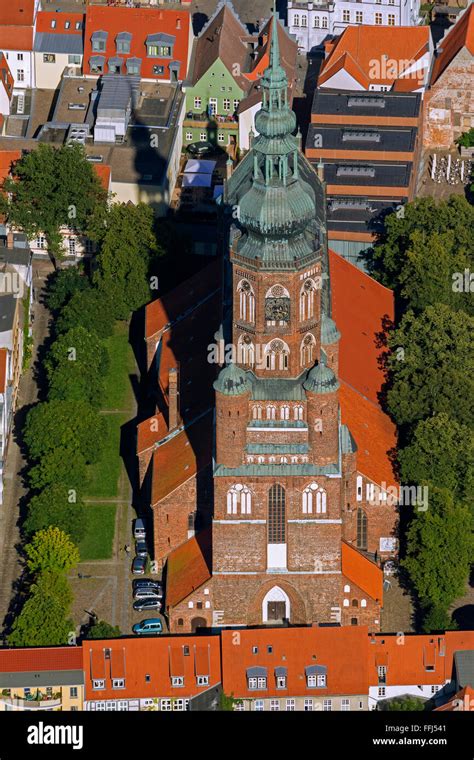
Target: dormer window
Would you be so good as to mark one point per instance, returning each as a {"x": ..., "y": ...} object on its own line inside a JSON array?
[
  {"x": 99, "y": 41},
  {"x": 98, "y": 683},
  {"x": 118, "y": 683},
  {"x": 256, "y": 678},
  {"x": 160, "y": 45},
  {"x": 202, "y": 680},
  {"x": 123, "y": 42},
  {"x": 177, "y": 681},
  {"x": 316, "y": 676}
]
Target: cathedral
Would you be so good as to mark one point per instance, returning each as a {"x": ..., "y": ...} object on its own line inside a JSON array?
[{"x": 297, "y": 533}]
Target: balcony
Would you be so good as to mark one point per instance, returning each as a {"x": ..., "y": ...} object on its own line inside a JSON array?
[
  {"x": 203, "y": 119},
  {"x": 15, "y": 703}
]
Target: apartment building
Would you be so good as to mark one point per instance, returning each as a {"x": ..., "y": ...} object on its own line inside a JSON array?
[
  {"x": 17, "y": 29},
  {"x": 58, "y": 47},
  {"x": 312, "y": 23}
]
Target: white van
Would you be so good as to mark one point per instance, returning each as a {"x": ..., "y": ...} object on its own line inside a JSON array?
[{"x": 139, "y": 529}]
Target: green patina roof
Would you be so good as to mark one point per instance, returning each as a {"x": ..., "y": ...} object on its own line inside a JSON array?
[
  {"x": 329, "y": 332},
  {"x": 276, "y": 470},
  {"x": 232, "y": 381},
  {"x": 277, "y": 448},
  {"x": 348, "y": 444},
  {"x": 281, "y": 389},
  {"x": 277, "y": 423},
  {"x": 321, "y": 379}
]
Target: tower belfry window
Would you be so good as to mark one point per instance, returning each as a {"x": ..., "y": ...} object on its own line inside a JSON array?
[
  {"x": 276, "y": 514},
  {"x": 246, "y": 301}
]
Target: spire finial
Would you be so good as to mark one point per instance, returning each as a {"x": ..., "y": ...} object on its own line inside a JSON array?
[{"x": 275, "y": 46}]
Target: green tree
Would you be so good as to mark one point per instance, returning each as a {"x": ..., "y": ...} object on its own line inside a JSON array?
[
  {"x": 103, "y": 630},
  {"x": 441, "y": 452},
  {"x": 51, "y": 549},
  {"x": 51, "y": 188},
  {"x": 43, "y": 619},
  {"x": 405, "y": 704},
  {"x": 63, "y": 284},
  {"x": 92, "y": 309},
  {"x": 432, "y": 366},
  {"x": 437, "y": 618},
  {"x": 439, "y": 550},
  {"x": 65, "y": 466},
  {"x": 126, "y": 243},
  {"x": 58, "y": 506},
  {"x": 76, "y": 364},
  {"x": 71, "y": 425}
]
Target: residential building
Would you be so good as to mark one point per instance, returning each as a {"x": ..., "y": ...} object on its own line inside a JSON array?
[
  {"x": 17, "y": 28},
  {"x": 296, "y": 669},
  {"x": 58, "y": 47},
  {"x": 38, "y": 679},
  {"x": 431, "y": 667},
  {"x": 300, "y": 527},
  {"x": 150, "y": 43},
  {"x": 366, "y": 129},
  {"x": 6, "y": 88},
  {"x": 163, "y": 674},
  {"x": 222, "y": 92},
  {"x": 313, "y": 23},
  {"x": 448, "y": 102}
]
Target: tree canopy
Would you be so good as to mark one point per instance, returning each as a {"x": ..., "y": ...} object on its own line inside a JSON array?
[
  {"x": 51, "y": 549},
  {"x": 63, "y": 284},
  {"x": 43, "y": 619},
  {"x": 103, "y": 630},
  {"x": 58, "y": 425},
  {"x": 59, "y": 506},
  {"x": 91, "y": 309},
  {"x": 76, "y": 364}
]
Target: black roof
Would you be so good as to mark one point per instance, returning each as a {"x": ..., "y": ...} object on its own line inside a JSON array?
[
  {"x": 375, "y": 139},
  {"x": 353, "y": 103},
  {"x": 372, "y": 174},
  {"x": 365, "y": 216}
]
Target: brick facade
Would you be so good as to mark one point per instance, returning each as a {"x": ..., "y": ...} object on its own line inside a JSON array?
[{"x": 449, "y": 106}]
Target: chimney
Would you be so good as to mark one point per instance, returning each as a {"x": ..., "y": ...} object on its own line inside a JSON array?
[{"x": 173, "y": 399}]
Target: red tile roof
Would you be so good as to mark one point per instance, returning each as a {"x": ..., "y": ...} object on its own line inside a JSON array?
[
  {"x": 44, "y": 19},
  {"x": 374, "y": 433},
  {"x": 406, "y": 657},
  {"x": 139, "y": 22},
  {"x": 361, "y": 571},
  {"x": 104, "y": 172},
  {"x": 359, "y": 46},
  {"x": 3, "y": 369},
  {"x": 17, "y": 13},
  {"x": 16, "y": 38},
  {"x": 462, "y": 701},
  {"x": 152, "y": 657},
  {"x": 360, "y": 308},
  {"x": 343, "y": 651},
  {"x": 188, "y": 567},
  {"x": 7, "y": 158},
  {"x": 6, "y": 76},
  {"x": 38, "y": 659},
  {"x": 459, "y": 36}
]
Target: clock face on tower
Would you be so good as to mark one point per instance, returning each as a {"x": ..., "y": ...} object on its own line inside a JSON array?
[{"x": 277, "y": 309}]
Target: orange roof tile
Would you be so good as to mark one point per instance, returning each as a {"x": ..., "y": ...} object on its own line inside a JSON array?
[
  {"x": 343, "y": 651},
  {"x": 188, "y": 567},
  {"x": 16, "y": 38},
  {"x": 37, "y": 659},
  {"x": 44, "y": 19},
  {"x": 461, "y": 702},
  {"x": 104, "y": 172},
  {"x": 150, "y": 431},
  {"x": 361, "y": 571},
  {"x": 7, "y": 158},
  {"x": 148, "y": 656},
  {"x": 359, "y": 46},
  {"x": 407, "y": 656},
  {"x": 3, "y": 369},
  {"x": 459, "y": 36},
  {"x": 18, "y": 12},
  {"x": 374, "y": 433},
  {"x": 360, "y": 307},
  {"x": 6, "y": 76}
]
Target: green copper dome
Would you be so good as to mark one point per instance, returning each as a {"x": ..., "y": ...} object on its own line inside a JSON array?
[
  {"x": 321, "y": 379},
  {"x": 232, "y": 381},
  {"x": 329, "y": 332}
]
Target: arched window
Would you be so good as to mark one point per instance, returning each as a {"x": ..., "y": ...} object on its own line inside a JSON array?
[
  {"x": 303, "y": 20},
  {"x": 308, "y": 350},
  {"x": 239, "y": 499},
  {"x": 307, "y": 300},
  {"x": 271, "y": 412},
  {"x": 298, "y": 413},
  {"x": 314, "y": 499},
  {"x": 361, "y": 530},
  {"x": 261, "y": 460},
  {"x": 276, "y": 515},
  {"x": 246, "y": 351},
  {"x": 257, "y": 412},
  {"x": 276, "y": 355},
  {"x": 296, "y": 19},
  {"x": 285, "y": 413},
  {"x": 246, "y": 301},
  {"x": 180, "y": 621},
  {"x": 355, "y": 602},
  {"x": 277, "y": 306}
]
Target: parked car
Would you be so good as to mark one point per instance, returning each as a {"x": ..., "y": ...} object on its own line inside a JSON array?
[
  {"x": 150, "y": 626},
  {"x": 201, "y": 148},
  {"x": 139, "y": 565},
  {"x": 139, "y": 532},
  {"x": 147, "y": 604},
  {"x": 140, "y": 549},
  {"x": 147, "y": 583},
  {"x": 147, "y": 593}
]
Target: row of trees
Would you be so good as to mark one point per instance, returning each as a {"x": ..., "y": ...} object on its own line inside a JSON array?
[
  {"x": 426, "y": 256},
  {"x": 65, "y": 433}
]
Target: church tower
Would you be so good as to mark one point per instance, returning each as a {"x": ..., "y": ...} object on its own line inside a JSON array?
[{"x": 284, "y": 470}]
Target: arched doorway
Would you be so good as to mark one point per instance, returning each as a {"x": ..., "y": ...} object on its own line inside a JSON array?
[
  {"x": 198, "y": 622},
  {"x": 275, "y": 606}
]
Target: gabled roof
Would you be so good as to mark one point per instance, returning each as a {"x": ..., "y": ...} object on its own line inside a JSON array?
[
  {"x": 361, "y": 571},
  {"x": 358, "y": 47},
  {"x": 16, "y": 38},
  {"x": 38, "y": 659},
  {"x": 340, "y": 653},
  {"x": 17, "y": 13},
  {"x": 463, "y": 700},
  {"x": 460, "y": 36},
  {"x": 44, "y": 23},
  {"x": 188, "y": 567},
  {"x": 223, "y": 38}
]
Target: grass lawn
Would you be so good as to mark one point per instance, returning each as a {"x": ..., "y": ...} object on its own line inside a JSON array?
[
  {"x": 118, "y": 391},
  {"x": 103, "y": 476},
  {"x": 98, "y": 541}
]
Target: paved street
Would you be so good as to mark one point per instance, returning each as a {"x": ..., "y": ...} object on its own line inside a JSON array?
[{"x": 10, "y": 566}]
